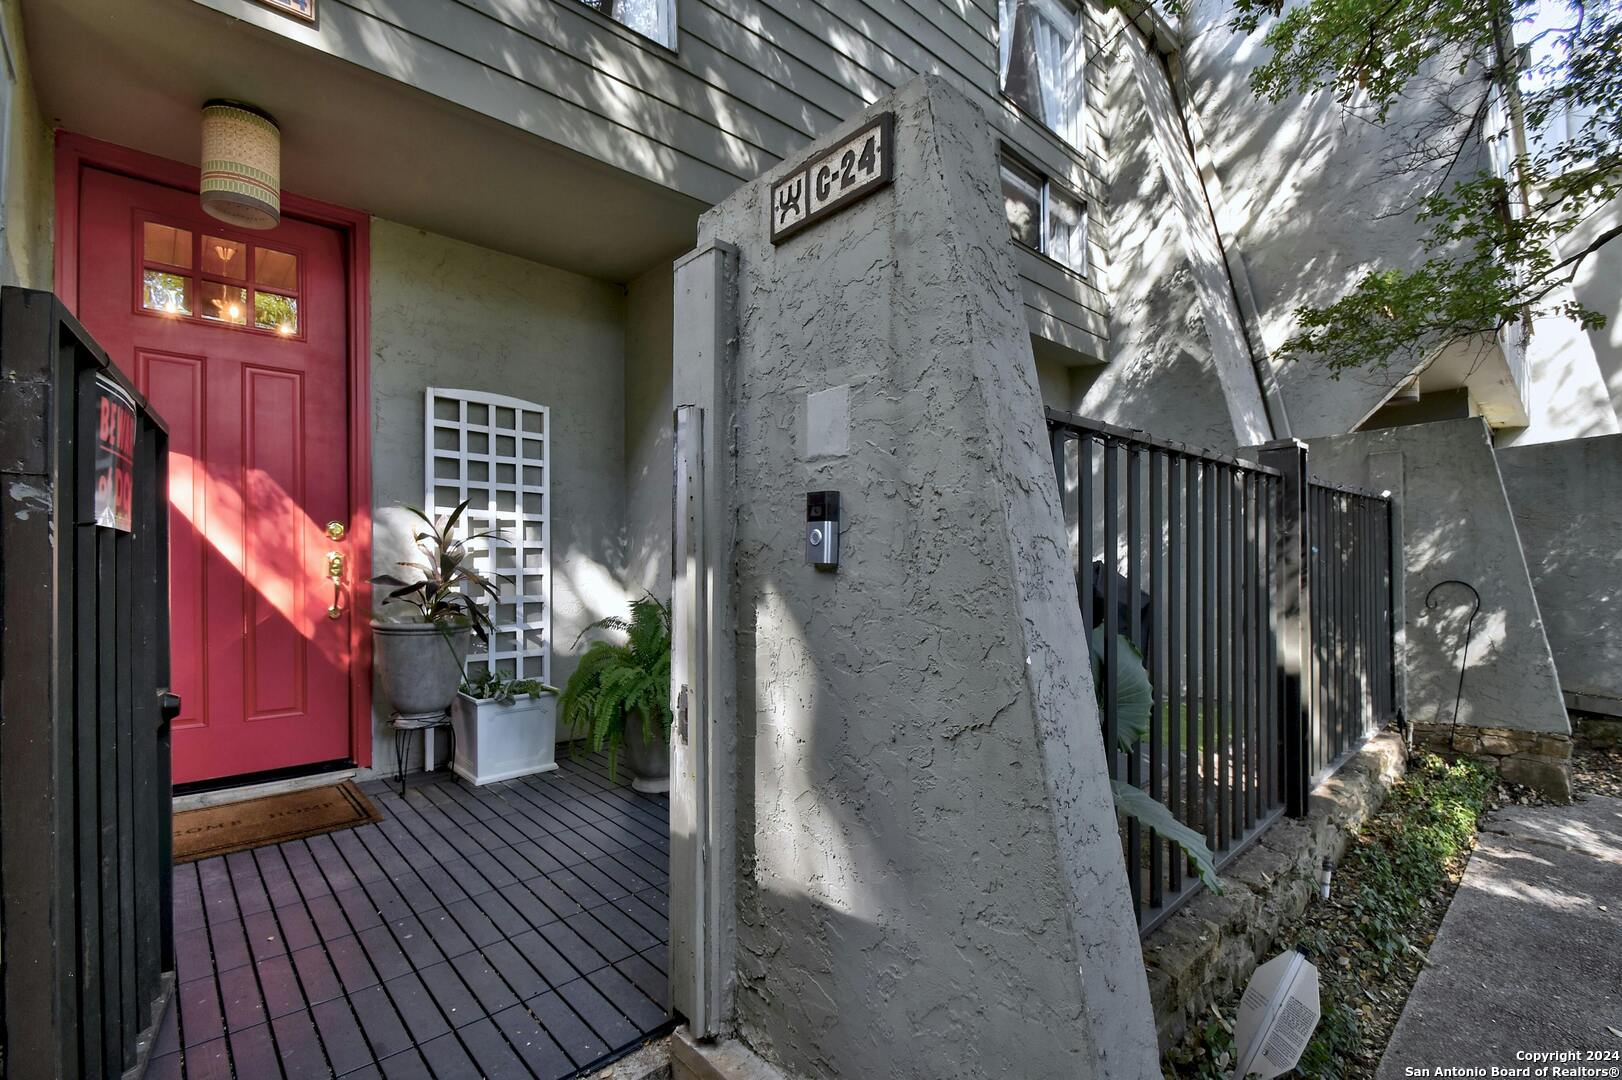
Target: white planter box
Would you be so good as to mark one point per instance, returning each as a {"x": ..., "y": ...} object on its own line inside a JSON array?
[{"x": 501, "y": 742}]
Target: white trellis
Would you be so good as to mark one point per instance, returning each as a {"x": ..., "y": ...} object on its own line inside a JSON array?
[{"x": 495, "y": 451}]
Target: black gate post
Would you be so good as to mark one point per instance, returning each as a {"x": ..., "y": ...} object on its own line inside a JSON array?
[
  {"x": 1292, "y": 616},
  {"x": 84, "y": 714}
]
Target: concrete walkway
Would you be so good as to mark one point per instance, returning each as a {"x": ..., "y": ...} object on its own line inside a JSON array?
[{"x": 1529, "y": 957}]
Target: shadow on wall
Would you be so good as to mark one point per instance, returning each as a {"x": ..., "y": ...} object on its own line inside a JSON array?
[
  {"x": 876, "y": 817},
  {"x": 649, "y": 446},
  {"x": 1314, "y": 199},
  {"x": 1172, "y": 316},
  {"x": 450, "y": 314},
  {"x": 1457, "y": 525},
  {"x": 1567, "y": 500}
]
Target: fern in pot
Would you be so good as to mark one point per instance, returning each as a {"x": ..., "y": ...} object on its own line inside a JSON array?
[
  {"x": 421, "y": 636},
  {"x": 619, "y": 694}
]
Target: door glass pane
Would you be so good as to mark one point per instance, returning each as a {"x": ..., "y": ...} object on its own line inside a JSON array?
[
  {"x": 166, "y": 244},
  {"x": 1067, "y": 231},
  {"x": 223, "y": 303},
  {"x": 1039, "y": 57},
  {"x": 225, "y": 258},
  {"x": 273, "y": 312},
  {"x": 1022, "y": 201},
  {"x": 275, "y": 269},
  {"x": 170, "y": 293}
]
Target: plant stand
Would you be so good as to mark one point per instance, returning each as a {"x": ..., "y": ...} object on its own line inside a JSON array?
[{"x": 403, "y": 729}]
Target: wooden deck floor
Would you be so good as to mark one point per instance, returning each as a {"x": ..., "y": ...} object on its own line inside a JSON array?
[{"x": 516, "y": 930}]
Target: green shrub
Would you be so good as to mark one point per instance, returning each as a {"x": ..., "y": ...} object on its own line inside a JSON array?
[{"x": 1402, "y": 861}]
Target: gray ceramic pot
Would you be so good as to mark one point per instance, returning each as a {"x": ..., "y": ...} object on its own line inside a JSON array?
[
  {"x": 420, "y": 666},
  {"x": 650, "y": 762}
]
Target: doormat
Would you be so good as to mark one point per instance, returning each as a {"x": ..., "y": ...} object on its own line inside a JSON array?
[{"x": 238, "y": 826}]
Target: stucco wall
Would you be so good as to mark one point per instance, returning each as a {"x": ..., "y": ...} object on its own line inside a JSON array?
[
  {"x": 1179, "y": 365},
  {"x": 648, "y": 485},
  {"x": 1575, "y": 387},
  {"x": 1308, "y": 202},
  {"x": 29, "y": 193},
  {"x": 1598, "y": 285},
  {"x": 1567, "y": 500},
  {"x": 448, "y": 314},
  {"x": 1457, "y": 525},
  {"x": 931, "y": 880}
]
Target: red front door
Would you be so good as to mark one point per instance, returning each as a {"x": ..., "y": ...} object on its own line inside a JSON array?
[{"x": 238, "y": 339}]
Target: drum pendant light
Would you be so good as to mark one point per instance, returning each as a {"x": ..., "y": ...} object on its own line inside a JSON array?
[{"x": 242, "y": 165}]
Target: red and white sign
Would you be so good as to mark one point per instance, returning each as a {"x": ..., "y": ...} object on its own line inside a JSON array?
[{"x": 114, "y": 498}]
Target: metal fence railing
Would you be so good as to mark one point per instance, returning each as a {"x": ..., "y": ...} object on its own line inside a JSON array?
[
  {"x": 1201, "y": 564},
  {"x": 1352, "y": 666}
]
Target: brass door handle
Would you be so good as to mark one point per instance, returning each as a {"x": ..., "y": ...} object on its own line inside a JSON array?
[{"x": 335, "y": 571}]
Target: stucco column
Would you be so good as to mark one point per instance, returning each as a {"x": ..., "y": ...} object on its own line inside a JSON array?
[{"x": 929, "y": 879}]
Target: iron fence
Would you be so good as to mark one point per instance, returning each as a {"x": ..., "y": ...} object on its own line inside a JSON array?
[
  {"x": 1351, "y": 672},
  {"x": 1181, "y": 557}
]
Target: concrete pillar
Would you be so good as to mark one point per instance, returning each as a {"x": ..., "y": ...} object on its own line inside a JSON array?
[
  {"x": 928, "y": 878},
  {"x": 703, "y": 683}
]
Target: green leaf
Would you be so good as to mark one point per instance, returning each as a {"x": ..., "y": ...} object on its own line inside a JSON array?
[
  {"x": 613, "y": 681},
  {"x": 1134, "y": 695},
  {"x": 1139, "y": 805}
]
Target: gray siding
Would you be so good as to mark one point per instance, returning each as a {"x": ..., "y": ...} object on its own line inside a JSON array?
[{"x": 749, "y": 83}]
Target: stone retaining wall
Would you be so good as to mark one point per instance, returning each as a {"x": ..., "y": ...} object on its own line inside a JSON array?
[
  {"x": 1539, "y": 760},
  {"x": 1599, "y": 732},
  {"x": 1209, "y": 948}
]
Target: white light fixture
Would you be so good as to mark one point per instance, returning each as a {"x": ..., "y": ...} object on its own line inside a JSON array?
[{"x": 241, "y": 180}]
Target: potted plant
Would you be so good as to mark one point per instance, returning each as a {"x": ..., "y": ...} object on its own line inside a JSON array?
[
  {"x": 619, "y": 695},
  {"x": 419, "y": 654},
  {"x": 505, "y": 728}
]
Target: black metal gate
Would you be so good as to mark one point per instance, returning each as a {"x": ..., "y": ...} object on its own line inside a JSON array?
[
  {"x": 1351, "y": 671},
  {"x": 84, "y": 709},
  {"x": 1222, "y": 574}
]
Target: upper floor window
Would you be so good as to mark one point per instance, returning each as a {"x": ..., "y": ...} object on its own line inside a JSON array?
[
  {"x": 1040, "y": 62},
  {"x": 1043, "y": 217},
  {"x": 655, "y": 19}
]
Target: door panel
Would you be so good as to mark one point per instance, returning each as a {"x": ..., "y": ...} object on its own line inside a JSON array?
[{"x": 239, "y": 340}]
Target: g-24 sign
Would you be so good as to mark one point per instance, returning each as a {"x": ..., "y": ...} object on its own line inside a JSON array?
[
  {"x": 113, "y": 502},
  {"x": 833, "y": 180}
]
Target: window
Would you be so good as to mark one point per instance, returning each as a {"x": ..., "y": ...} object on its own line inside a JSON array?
[
  {"x": 1040, "y": 54},
  {"x": 187, "y": 276},
  {"x": 1044, "y": 218},
  {"x": 655, "y": 19}
]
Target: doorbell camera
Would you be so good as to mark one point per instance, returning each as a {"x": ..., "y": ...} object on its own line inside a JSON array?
[{"x": 822, "y": 529}]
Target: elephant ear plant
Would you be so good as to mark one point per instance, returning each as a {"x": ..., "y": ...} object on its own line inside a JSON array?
[
  {"x": 449, "y": 592},
  {"x": 1134, "y": 703},
  {"x": 615, "y": 683}
]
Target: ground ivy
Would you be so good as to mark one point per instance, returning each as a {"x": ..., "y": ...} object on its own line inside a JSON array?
[{"x": 1399, "y": 867}]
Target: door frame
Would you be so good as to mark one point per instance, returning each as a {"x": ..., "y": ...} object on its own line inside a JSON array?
[{"x": 74, "y": 154}]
